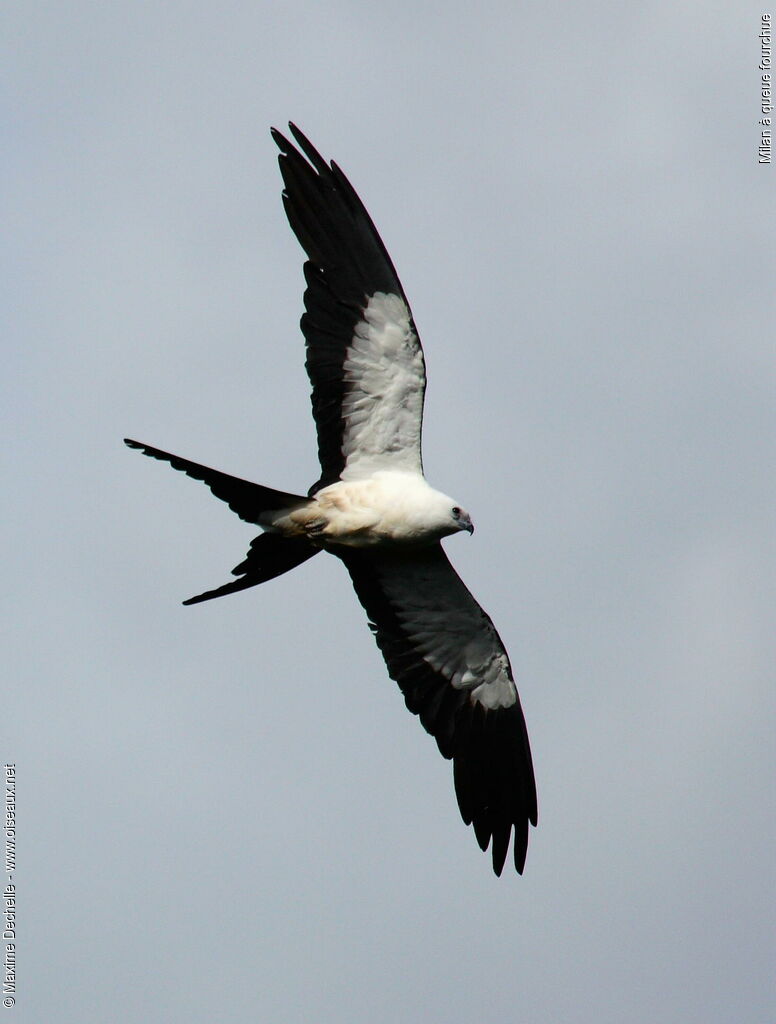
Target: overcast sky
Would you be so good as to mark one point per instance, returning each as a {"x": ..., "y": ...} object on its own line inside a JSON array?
[{"x": 225, "y": 811}]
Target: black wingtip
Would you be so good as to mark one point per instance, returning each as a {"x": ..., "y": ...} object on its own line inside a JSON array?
[
  {"x": 520, "y": 844},
  {"x": 146, "y": 449},
  {"x": 308, "y": 149},
  {"x": 280, "y": 140}
]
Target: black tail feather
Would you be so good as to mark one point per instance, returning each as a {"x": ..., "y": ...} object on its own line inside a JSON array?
[
  {"x": 228, "y": 588},
  {"x": 270, "y": 555},
  {"x": 246, "y": 499}
]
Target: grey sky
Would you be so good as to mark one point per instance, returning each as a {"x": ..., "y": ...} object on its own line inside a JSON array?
[{"x": 225, "y": 811}]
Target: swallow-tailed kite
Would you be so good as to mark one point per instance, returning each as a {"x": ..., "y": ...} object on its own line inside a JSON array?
[{"x": 373, "y": 509}]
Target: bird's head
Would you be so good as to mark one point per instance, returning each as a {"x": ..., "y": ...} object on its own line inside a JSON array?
[
  {"x": 415, "y": 512},
  {"x": 462, "y": 519},
  {"x": 449, "y": 517}
]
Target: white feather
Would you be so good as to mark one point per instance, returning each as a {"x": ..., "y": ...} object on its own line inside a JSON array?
[
  {"x": 384, "y": 376},
  {"x": 386, "y": 508}
]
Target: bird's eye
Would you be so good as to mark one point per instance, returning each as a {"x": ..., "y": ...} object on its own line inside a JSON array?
[{"x": 456, "y": 512}]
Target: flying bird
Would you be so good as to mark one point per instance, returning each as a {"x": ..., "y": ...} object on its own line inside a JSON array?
[{"x": 373, "y": 509}]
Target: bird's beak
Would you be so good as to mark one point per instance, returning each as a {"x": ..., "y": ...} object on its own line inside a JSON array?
[{"x": 468, "y": 526}]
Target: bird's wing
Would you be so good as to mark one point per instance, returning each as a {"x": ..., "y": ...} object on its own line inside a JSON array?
[
  {"x": 364, "y": 357},
  {"x": 445, "y": 654}
]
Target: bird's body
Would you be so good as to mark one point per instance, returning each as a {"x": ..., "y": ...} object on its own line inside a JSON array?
[
  {"x": 373, "y": 508},
  {"x": 386, "y": 508}
]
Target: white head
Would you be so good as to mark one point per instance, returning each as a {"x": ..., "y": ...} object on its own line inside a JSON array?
[
  {"x": 448, "y": 517},
  {"x": 390, "y": 507}
]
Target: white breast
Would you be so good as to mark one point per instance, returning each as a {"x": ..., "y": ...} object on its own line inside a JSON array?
[{"x": 389, "y": 507}]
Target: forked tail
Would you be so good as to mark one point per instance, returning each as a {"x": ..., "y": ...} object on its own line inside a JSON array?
[{"x": 270, "y": 554}]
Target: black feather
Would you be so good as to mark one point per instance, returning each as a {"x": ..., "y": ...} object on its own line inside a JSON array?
[
  {"x": 270, "y": 555},
  {"x": 492, "y": 767},
  {"x": 247, "y": 500},
  {"x": 347, "y": 263}
]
